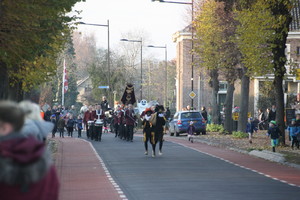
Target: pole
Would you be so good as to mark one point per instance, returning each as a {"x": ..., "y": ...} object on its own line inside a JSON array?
[
  {"x": 192, "y": 77},
  {"x": 166, "y": 83},
  {"x": 108, "y": 61},
  {"x": 63, "y": 84},
  {"x": 141, "y": 69}
]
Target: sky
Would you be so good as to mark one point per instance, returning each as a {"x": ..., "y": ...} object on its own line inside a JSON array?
[{"x": 158, "y": 21}]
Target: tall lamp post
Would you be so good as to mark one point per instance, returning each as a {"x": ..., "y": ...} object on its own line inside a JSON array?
[
  {"x": 108, "y": 50},
  {"x": 192, "y": 63},
  {"x": 140, "y": 41},
  {"x": 166, "y": 71}
]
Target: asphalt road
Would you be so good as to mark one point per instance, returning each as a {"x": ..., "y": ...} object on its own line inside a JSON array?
[{"x": 183, "y": 174}]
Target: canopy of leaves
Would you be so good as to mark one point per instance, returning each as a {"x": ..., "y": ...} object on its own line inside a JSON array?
[
  {"x": 32, "y": 33},
  {"x": 209, "y": 33},
  {"x": 256, "y": 36}
]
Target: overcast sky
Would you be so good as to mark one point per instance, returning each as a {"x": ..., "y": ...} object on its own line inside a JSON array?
[{"x": 159, "y": 21}]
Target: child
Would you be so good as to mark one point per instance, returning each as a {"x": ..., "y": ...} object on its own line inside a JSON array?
[
  {"x": 61, "y": 126},
  {"x": 53, "y": 120},
  {"x": 70, "y": 125},
  {"x": 293, "y": 132},
  {"x": 191, "y": 130},
  {"x": 274, "y": 133},
  {"x": 250, "y": 129},
  {"x": 79, "y": 125}
]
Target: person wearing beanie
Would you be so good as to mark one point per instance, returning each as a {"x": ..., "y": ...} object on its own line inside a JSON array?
[
  {"x": 294, "y": 131},
  {"x": 274, "y": 133},
  {"x": 191, "y": 130}
]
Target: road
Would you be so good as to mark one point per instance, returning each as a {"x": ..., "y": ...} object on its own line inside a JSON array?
[{"x": 184, "y": 173}]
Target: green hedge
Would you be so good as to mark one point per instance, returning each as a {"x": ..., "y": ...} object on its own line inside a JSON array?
[
  {"x": 239, "y": 134},
  {"x": 215, "y": 128}
]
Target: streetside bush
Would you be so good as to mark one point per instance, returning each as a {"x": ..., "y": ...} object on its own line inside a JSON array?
[
  {"x": 239, "y": 134},
  {"x": 215, "y": 128}
]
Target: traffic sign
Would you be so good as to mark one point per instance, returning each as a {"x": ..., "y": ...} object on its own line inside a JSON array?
[
  {"x": 103, "y": 87},
  {"x": 192, "y": 94}
]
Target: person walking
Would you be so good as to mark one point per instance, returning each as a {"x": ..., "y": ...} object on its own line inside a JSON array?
[
  {"x": 294, "y": 131},
  {"x": 148, "y": 131},
  {"x": 53, "y": 120},
  {"x": 274, "y": 133},
  {"x": 79, "y": 125},
  {"x": 130, "y": 122},
  {"x": 61, "y": 124},
  {"x": 158, "y": 124},
  {"x": 99, "y": 121},
  {"x": 261, "y": 119},
  {"x": 122, "y": 123},
  {"x": 27, "y": 171},
  {"x": 116, "y": 124},
  {"x": 191, "y": 130},
  {"x": 70, "y": 125},
  {"x": 88, "y": 120}
]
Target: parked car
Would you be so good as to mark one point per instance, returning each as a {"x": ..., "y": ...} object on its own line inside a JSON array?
[{"x": 181, "y": 120}]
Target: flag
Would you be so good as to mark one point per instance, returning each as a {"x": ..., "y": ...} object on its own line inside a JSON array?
[{"x": 65, "y": 78}]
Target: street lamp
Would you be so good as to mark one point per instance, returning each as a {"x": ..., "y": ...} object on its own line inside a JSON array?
[
  {"x": 140, "y": 41},
  {"x": 166, "y": 71},
  {"x": 108, "y": 50},
  {"x": 192, "y": 74}
]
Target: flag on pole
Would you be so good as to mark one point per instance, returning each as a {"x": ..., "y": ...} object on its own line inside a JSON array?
[{"x": 65, "y": 78}]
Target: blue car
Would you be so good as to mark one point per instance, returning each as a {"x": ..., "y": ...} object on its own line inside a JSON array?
[{"x": 181, "y": 120}]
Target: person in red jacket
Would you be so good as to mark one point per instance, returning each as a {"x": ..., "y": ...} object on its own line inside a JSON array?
[
  {"x": 88, "y": 120},
  {"x": 27, "y": 172},
  {"x": 130, "y": 122}
]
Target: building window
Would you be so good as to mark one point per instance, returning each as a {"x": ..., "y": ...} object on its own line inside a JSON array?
[
  {"x": 298, "y": 51},
  {"x": 223, "y": 86}
]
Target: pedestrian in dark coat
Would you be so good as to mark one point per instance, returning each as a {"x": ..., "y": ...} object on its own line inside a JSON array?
[
  {"x": 274, "y": 133},
  {"x": 130, "y": 122},
  {"x": 204, "y": 113},
  {"x": 159, "y": 128},
  {"x": 70, "y": 125},
  {"x": 148, "y": 131},
  {"x": 61, "y": 124}
]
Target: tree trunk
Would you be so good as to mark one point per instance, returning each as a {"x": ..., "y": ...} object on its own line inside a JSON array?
[
  {"x": 243, "y": 115},
  {"x": 280, "y": 105},
  {"x": 4, "y": 82},
  {"x": 228, "y": 107},
  {"x": 281, "y": 8},
  {"x": 215, "y": 86}
]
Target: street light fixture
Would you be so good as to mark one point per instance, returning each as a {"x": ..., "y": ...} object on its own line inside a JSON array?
[
  {"x": 192, "y": 73},
  {"x": 140, "y": 41},
  {"x": 108, "y": 50},
  {"x": 166, "y": 71}
]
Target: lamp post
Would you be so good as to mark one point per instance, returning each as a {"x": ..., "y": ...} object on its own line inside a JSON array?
[
  {"x": 192, "y": 63},
  {"x": 166, "y": 71},
  {"x": 108, "y": 50},
  {"x": 140, "y": 41}
]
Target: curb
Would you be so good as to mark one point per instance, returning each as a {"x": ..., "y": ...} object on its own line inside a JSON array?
[{"x": 267, "y": 155}]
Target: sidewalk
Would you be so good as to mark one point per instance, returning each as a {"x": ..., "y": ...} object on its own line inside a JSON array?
[{"x": 82, "y": 173}]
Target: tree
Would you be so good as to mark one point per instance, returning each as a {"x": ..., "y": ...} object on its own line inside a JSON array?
[
  {"x": 218, "y": 53},
  {"x": 31, "y": 36},
  {"x": 261, "y": 39}
]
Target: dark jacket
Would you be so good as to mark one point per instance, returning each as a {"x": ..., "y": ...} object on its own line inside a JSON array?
[
  {"x": 160, "y": 122},
  {"x": 104, "y": 105},
  {"x": 274, "y": 132},
  {"x": 37, "y": 181}
]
